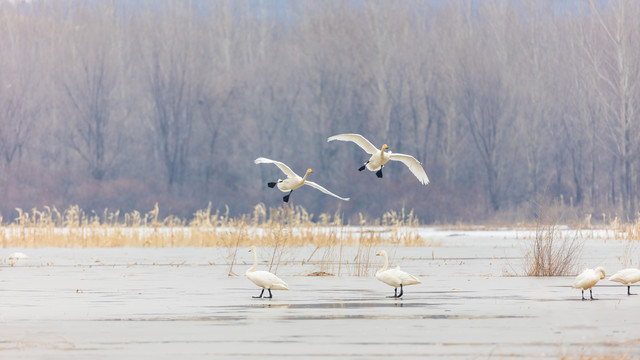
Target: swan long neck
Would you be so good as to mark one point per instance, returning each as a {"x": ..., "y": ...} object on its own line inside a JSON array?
[
  {"x": 255, "y": 261},
  {"x": 386, "y": 261},
  {"x": 304, "y": 178}
]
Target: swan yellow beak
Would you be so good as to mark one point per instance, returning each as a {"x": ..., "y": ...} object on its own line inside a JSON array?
[
  {"x": 308, "y": 170},
  {"x": 378, "y": 254},
  {"x": 385, "y": 147}
]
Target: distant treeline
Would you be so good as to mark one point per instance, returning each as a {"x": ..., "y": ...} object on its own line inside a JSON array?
[{"x": 122, "y": 104}]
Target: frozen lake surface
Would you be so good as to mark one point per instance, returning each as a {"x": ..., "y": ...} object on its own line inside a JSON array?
[{"x": 172, "y": 302}]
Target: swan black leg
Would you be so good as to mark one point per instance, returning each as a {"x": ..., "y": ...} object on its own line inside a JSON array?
[
  {"x": 270, "y": 296},
  {"x": 257, "y": 297},
  {"x": 379, "y": 173},
  {"x": 582, "y": 294},
  {"x": 401, "y": 292},
  {"x": 363, "y": 166},
  {"x": 591, "y": 294},
  {"x": 395, "y": 293},
  {"x": 286, "y": 197},
  {"x": 271, "y": 184},
  {"x": 629, "y": 290}
]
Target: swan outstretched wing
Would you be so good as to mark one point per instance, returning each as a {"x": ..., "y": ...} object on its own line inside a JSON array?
[
  {"x": 358, "y": 139},
  {"x": 285, "y": 169},
  {"x": 413, "y": 164},
  {"x": 312, "y": 184}
]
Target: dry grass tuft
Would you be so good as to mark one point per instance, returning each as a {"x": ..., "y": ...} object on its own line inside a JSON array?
[
  {"x": 630, "y": 231},
  {"x": 319, "y": 273},
  {"x": 552, "y": 252}
]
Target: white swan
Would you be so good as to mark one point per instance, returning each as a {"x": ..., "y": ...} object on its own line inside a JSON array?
[
  {"x": 379, "y": 157},
  {"x": 587, "y": 279},
  {"x": 626, "y": 277},
  {"x": 394, "y": 277},
  {"x": 264, "y": 279},
  {"x": 18, "y": 256},
  {"x": 293, "y": 181}
]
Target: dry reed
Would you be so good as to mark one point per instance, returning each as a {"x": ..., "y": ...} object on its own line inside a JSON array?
[
  {"x": 276, "y": 227},
  {"x": 552, "y": 252}
]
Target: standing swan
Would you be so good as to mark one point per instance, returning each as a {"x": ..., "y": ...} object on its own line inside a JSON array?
[
  {"x": 588, "y": 279},
  {"x": 379, "y": 157},
  {"x": 626, "y": 277},
  {"x": 293, "y": 181},
  {"x": 18, "y": 256},
  {"x": 264, "y": 279},
  {"x": 394, "y": 277}
]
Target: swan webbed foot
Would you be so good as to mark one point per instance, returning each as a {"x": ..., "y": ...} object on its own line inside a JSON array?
[
  {"x": 379, "y": 173},
  {"x": 401, "y": 292},
  {"x": 629, "y": 290},
  {"x": 286, "y": 197},
  {"x": 362, "y": 167},
  {"x": 270, "y": 295},
  {"x": 259, "y": 296},
  {"x": 271, "y": 184}
]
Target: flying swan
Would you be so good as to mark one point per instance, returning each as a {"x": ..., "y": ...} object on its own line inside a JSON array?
[
  {"x": 264, "y": 279},
  {"x": 588, "y": 279},
  {"x": 394, "y": 277},
  {"x": 293, "y": 181},
  {"x": 626, "y": 277},
  {"x": 379, "y": 157}
]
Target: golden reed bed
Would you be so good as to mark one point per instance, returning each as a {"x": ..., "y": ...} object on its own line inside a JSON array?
[{"x": 276, "y": 226}]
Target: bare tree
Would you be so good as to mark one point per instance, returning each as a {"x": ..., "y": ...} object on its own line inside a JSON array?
[
  {"x": 21, "y": 97},
  {"x": 172, "y": 63},
  {"x": 330, "y": 55},
  {"x": 617, "y": 70},
  {"x": 91, "y": 82},
  {"x": 486, "y": 99},
  {"x": 579, "y": 115},
  {"x": 518, "y": 98},
  {"x": 535, "y": 66}
]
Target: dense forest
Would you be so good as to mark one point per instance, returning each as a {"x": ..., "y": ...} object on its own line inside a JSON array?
[{"x": 121, "y": 104}]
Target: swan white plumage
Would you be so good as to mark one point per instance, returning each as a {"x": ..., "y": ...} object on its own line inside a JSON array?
[
  {"x": 626, "y": 277},
  {"x": 293, "y": 181},
  {"x": 587, "y": 279},
  {"x": 18, "y": 256},
  {"x": 264, "y": 279},
  {"x": 394, "y": 277},
  {"x": 379, "y": 157}
]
